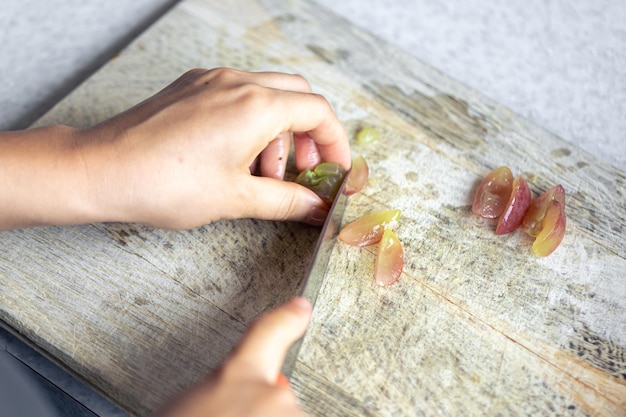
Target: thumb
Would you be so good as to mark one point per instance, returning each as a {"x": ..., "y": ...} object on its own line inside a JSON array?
[
  {"x": 276, "y": 199},
  {"x": 262, "y": 350}
]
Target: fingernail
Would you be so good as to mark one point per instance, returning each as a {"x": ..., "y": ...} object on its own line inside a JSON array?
[
  {"x": 282, "y": 381},
  {"x": 318, "y": 215}
]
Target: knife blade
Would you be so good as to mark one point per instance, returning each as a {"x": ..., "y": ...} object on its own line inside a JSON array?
[{"x": 312, "y": 280}]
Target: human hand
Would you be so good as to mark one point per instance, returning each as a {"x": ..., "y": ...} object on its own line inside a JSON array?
[
  {"x": 245, "y": 385},
  {"x": 178, "y": 160},
  {"x": 182, "y": 158}
]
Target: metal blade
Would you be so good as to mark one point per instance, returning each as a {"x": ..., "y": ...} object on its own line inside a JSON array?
[{"x": 314, "y": 275}]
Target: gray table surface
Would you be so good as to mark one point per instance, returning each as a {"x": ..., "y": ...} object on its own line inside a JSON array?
[{"x": 561, "y": 64}]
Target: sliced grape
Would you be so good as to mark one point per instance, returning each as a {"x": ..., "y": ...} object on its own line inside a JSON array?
[
  {"x": 553, "y": 230},
  {"x": 533, "y": 219},
  {"x": 369, "y": 229},
  {"x": 358, "y": 176},
  {"x": 389, "y": 259},
  {"x": 515, "y": 208},
  {"x": 493, "y": 193}
]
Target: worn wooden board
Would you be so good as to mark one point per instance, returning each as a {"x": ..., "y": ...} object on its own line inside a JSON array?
[{"x": 475, "y": 326}]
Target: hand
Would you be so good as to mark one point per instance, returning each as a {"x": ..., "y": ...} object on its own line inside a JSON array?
[
  {"x": 178, "y": 160},
  {"x": 182, "y": 158},
  {"x": 245, "y": 385}
]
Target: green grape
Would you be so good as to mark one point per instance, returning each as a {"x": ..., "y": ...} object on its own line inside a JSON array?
[
  {"x": 367, "y": 135},
  {"x": 324, "y": 180}
]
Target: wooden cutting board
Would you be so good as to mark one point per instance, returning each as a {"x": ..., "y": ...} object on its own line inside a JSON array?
[{"x": 475, "y": 326}]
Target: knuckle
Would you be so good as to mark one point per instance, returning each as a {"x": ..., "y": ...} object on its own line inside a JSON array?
[
  {"x": 255, "y": 97},
  {"x": 321, "y": 100},
  {"x": 204, "y": 77},
  {"x": 302, "y": 82},
  {"x": 223, "y": 74}
]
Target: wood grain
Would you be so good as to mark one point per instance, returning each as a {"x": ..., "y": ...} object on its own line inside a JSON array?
[{"x": 475, "y": 326}]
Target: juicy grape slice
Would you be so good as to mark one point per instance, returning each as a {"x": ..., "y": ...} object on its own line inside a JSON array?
[
  {"x": 358, "y": 176},
  {"x": 499, "y": 196},
  {"x": 533, "y": 220},
  {"x": 493, "y": 193},
  {"x": 369, "y": 229},
  {"x": 515, "y": 208},
  {"x": 324, "y": 180},
  {"x": 389, "y": 259},
  {"x": 553, "y": 230}
]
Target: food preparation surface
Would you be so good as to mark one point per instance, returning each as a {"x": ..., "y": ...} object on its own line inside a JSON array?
[{"x": 475, "y": 326}]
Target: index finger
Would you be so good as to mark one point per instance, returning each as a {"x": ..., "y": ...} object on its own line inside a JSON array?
[{"x": 311, "y": 114}]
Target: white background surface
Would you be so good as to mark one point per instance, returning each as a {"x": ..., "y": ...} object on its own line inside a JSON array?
[{"x": 559, "y": 63}]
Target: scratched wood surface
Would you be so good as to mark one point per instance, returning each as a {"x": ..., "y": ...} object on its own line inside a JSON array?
[{"x": 475, "y": 326}]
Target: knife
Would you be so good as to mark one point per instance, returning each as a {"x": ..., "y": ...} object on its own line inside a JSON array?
[{"x": 311, "y": 281}]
